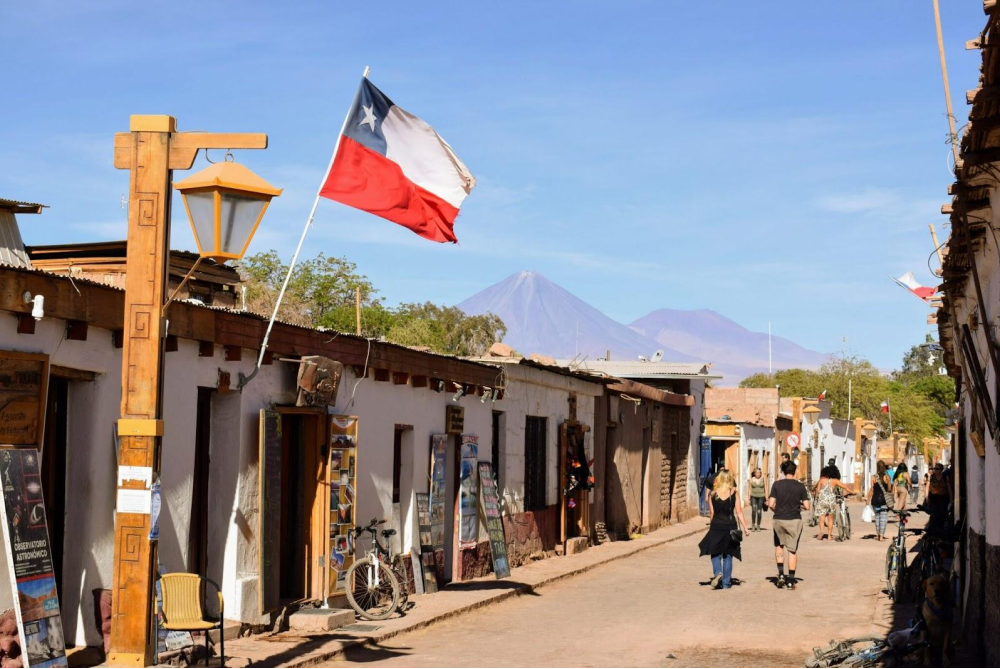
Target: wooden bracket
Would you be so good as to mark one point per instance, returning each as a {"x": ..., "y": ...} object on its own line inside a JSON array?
[
  {"x": 140, "y": 427},
  {"x": 184, "y": 146}
]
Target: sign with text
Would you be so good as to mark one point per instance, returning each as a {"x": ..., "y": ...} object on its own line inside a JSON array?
[
  {"x": 427, "y": 561},
  {"x": 439, "y": 455},
  {"x": 468, "y": 492},
  {"x": 454, "y": 419},
  {"x": 494, "y": 520},
  {"x": 23, "y": 381},
  {"x": 29, "y": 559},
  {"x": 343, "y": 481}
]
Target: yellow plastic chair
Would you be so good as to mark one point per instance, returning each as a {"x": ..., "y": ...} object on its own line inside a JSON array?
[{"x": 183, "y": 595}]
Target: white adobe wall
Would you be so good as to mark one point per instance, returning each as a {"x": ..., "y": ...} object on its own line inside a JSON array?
[
  {"x": 536, "y": 392},
  {"x": 753, "y": 438}
]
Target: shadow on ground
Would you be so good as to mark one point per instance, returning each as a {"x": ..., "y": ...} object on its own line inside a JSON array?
[{"x": 479, "y": 586}]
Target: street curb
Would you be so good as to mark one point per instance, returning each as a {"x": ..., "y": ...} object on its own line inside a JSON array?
[{"x": 314, "y": 660}]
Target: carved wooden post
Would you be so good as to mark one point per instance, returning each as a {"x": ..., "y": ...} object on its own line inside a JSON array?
[{"x": 150, "y": 151}]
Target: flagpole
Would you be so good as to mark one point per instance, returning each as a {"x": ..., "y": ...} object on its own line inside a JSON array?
[{"x": 291, "y": 267}]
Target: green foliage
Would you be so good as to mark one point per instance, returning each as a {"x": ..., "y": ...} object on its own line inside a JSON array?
[
  {"x": 322, "y": 293},
  {"x": 919, "y": 397}
]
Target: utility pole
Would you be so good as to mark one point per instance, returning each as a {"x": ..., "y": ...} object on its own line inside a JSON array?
[
  {"x": 947, "y": 88},
  {"x": 150, "y": 151}
]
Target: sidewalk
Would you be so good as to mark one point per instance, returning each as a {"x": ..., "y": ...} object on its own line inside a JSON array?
[{"x": 293, "y": 649}]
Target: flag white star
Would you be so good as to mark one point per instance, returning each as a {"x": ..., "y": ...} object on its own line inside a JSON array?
[{"x": 369, "y": 117}]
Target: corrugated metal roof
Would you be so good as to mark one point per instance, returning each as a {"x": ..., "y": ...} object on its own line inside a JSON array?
[
  {"x": 22, "y": 207},
  {"x": 637, "y": 369},
  {"x": 11, "y": 247}
]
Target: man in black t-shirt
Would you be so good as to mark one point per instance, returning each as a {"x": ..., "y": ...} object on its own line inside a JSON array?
[{"x": 788, "y": 498}]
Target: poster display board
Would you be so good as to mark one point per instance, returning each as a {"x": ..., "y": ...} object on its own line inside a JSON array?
[
  {"x": 343, "y": 474},
  {"x": 427, "y": 563},
  {"x": 269, "y": 530},
  {"x": 494, "y": 520},
  {"x": 439, "y": 455},
  {"x": 29, "y": 559},
  {"x": 468, "y": 492},
  {"x": 23, "y": 381}
]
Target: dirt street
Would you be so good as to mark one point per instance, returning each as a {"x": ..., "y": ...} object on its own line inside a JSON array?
[{"x": 657, "y": 609}]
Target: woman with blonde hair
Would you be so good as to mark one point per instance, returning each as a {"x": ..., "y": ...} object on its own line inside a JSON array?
[{"x": 726, "y": 530}]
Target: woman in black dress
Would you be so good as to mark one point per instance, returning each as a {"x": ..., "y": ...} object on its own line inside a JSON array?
[{"x": 727, "y": 517}]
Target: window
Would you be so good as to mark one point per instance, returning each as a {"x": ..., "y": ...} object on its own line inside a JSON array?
[
  {"x": 535, "y": 431},
  {"x": 397, "y": 462},
  {"x": 497, "y": 451}
]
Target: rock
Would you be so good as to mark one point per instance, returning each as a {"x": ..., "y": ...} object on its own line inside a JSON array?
[
  {"x": 500, "y": 350},
  {"x": 576, "y": 545},
  {"x": 237, "y": 662},
  {"x": 542, "y": 359}
]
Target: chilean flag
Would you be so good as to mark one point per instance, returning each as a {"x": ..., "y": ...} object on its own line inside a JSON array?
[
  {"x": 885, "y": 406},
  {"x": 392, "y": 164},
  {"x": 909, "y": 282}
]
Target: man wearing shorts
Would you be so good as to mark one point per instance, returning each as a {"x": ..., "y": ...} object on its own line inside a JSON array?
[{"x": 788, "y": 498}]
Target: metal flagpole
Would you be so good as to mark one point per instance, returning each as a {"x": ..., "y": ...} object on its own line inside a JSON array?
[{"x": 312, "y": 214}]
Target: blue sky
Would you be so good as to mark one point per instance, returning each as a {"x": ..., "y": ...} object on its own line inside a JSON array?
[{"x": 771, "y": 161}]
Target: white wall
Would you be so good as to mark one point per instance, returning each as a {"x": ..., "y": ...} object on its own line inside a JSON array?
[
  {"x": 694, "y": 450},
  {"x": 536, "y": 392},
  {"x": 754, "y": 438}
]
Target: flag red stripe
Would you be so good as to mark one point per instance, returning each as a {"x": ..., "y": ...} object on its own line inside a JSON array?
[{"x": 369, "y": 181}]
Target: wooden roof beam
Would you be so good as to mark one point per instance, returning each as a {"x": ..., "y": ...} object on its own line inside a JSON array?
[{"x": 989, "y": 6}]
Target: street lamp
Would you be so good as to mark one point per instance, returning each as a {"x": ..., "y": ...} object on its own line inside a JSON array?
[
  {"x": 812, "y": 413},
  {"x": 225, "y": 203}
]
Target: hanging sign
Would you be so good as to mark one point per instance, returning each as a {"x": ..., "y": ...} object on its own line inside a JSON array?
[
  {"x": 23, "y": 380},
  {"x": 494, "y": 520},
  {"x": 792, "y": 440},
  {"x": 454, "y": 419},
  {"x": 29, "y": 559},
  {"x": 468, "y": 492}
]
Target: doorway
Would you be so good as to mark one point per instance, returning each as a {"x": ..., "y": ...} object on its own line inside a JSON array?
[
  {"x": 198, "y": 537},
  {"x": 302, "y": 517},
  {"x": 53, "y": 470}
]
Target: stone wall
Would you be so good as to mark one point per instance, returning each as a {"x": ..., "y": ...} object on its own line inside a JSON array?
[
  {"x": 531, "y": 533},
  {"x": 676, "y": 435}
]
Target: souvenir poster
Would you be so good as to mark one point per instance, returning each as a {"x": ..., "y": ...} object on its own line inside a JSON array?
[
  {"x": 29, "y": 562},
  {"x": 269, "y": 538},
  {"x": 342, "y": 478},
  {"x": 434, "y": 559},
  {"x": 494, "y": 520},
  {"x": 468, "y": 497},
  {"x": 427, "y": 564}
]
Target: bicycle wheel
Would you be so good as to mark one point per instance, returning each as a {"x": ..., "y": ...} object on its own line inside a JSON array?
[
  {"x": 372, "y": 593},
  {"x": 399, "y": 568},
  {"x": 846, "y": 653},
  {"x": 847, "y": 524},
  {"x": 891, "y": 571}
]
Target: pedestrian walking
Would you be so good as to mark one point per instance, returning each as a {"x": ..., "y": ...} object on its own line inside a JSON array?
[
  {"x": 915, "y": 485},
  {"x": 826, "y": 498},
  {"x": 788, "y": 498},
  {"x": 901, "y": 486},
  {"x": 878, "y": 497},
  {"x": 758, "y": 498},
  {"x": 726, "y": 530}
]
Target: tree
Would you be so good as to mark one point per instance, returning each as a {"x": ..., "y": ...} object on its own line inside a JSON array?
[{"x": 322, "y": 293}]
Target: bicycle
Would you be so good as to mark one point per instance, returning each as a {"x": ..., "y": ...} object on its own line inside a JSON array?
[
  {"x": 870, "y": 651},
  {"x": 842, "y": 517},
  {"x": 373, "y": 587},
  {"x": 895, "y": 557}
]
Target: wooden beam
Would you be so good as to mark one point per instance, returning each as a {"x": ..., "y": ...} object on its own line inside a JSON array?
[
  {"x": 72, "y": 374},
  {"x": 975, "y": 43},
  {"x": 233, "y": 353},
  {"x": 989, "y": 6},
  {"x": 170, "y": 345},
  {"x": 206, "y": 349},
  {"x": 25, "y": 324},
  {"x": 76, "y": 330},
  {"x": 184, "y": 146},
  {"x": 418, "y": 381},
  {"x": 268, "y": 358},
  {"x": 381, "y": 374},
  {"x": 400, "y": 378}
]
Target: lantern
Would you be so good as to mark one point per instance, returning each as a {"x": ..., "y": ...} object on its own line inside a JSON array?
[
  {"x": 811, "y": 413},
  {"x": 225, "y": 203}
]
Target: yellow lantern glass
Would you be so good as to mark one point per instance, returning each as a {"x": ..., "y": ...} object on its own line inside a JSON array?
[{"x": 225, "y": 203}]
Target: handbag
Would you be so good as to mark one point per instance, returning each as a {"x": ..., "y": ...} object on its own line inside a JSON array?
[
  {"x": 868, "y": 515},
  {"x": 890, "y": 501},
  {"x": 736, "y": 536}
]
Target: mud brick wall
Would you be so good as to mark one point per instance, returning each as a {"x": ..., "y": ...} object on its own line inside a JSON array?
[
  {"x": 475, "y": 562},
  {"x": 531, "y": 532},
  {"x": 674, "y": 446},
  {"x": 975, "y": 631}
]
